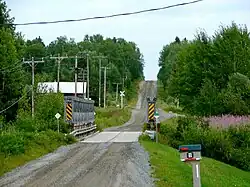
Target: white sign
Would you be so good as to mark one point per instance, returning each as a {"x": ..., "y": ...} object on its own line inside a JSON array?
[
  {"x": 122, "y": 93},
  {"x": 58, "y": 116}
]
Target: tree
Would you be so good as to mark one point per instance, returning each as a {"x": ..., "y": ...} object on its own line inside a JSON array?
[
  {"x": 12, "y": 75},
  {"x": 205, "y": 76},
  {"x": 5, "y": 17}
]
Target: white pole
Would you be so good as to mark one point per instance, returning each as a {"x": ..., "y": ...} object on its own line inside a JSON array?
[{"x": 58, "y": 125}]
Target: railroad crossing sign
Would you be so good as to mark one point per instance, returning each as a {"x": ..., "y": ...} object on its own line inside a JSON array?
[
  {"x": 122, "y": 93},
  {"x": 57, "y": 115}
]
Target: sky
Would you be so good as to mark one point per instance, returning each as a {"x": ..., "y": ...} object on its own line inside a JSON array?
[{"x": 150, "y": 31}]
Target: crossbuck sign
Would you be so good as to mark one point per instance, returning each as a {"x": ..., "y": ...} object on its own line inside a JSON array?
[{"x": 122, "y": 93}]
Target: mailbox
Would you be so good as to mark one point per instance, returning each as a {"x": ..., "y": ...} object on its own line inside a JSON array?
[{"x": 190, "y": 152}]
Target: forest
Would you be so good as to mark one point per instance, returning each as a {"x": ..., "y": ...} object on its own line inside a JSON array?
[{"x": 208, "y": 76}]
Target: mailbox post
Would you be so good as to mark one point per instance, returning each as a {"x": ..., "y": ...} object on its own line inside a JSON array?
[{"x": 192, "y": 154}]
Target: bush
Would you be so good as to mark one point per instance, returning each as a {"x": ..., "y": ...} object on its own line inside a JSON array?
[
  {"x": 174, "y": 109},
  {"x": 227, "y": 145},
  {"x": 12, "y": 143},
  {"x": 144, "y": 137},
  {"x": 69, "y": 139}
]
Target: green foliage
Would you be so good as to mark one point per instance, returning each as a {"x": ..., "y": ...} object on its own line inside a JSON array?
[
  {"x": 204, "y": 76},
  {"x": 11, "y": 143},
  {"x": 111, "y": 116},
  {"x": 228, "y": 145},
  {"x": 173, "y": 109},
  {"x": 5, "y": 17},
  {"x": 17, "y": 147},
  {"x": 144, "y": 137}
]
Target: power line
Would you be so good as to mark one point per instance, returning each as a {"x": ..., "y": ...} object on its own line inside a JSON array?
[
  {"x": 103, "y": 17},
  {"x": 13, "y": 103}
]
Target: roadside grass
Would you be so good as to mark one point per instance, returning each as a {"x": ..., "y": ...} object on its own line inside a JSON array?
[
  {"x": 111, "y": 116},
  {"x": 171, "y": 172},
  {"x": 33, "y": 146},
  {"x": 114, "y": 116}
]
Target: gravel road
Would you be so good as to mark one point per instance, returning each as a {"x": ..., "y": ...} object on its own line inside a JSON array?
[{"x": 105, "y": 164}]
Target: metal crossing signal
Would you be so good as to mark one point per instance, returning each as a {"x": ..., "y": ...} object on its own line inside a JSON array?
[{"x": 68, "y": 111}]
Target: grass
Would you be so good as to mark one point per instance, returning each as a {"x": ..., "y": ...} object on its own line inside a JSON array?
[
  {"x": 113, "y": 116},
  {"x": 171, "y": 172},
  {"x": 36, "y": 145},
  {"x": 11, "y": 162}
]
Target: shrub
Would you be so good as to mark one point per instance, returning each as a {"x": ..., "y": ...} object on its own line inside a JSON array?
[
  {"x": 144, "y": 137},
  {"x": 174, "y": 109},
  {"x": 69, "y": 139},
  {"x": 11, "y": 143},
  {"x": 227, "y": 145}
]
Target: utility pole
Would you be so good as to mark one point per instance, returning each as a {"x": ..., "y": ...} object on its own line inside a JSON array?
[
  {"x": 100, "y": 78},
  {"x": 88, "y": 75},
  {"x": 104, "y": 93},
  {"x": 123, "y": 76},
  {"x": 83, "y": 78},
  {"x": 58, "y": 59},
  {"x": 76, "y": 76},
  {"x": 104, "y": 89},
  {"x": 32, "y": 62},
  {"x": 116, "y": 97}
]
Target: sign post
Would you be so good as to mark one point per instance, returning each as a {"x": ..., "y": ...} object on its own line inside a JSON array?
[
  {"x": 156, "y": 124},
  {"x": 192, "y": 154},
  {"x": 58, "y": 117},
  {"x": 122, "y": 95}
]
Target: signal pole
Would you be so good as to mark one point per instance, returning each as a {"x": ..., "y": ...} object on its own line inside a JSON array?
[
  {"x": 58, "y": 59},
  {"x": 32, "y": 62}
]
